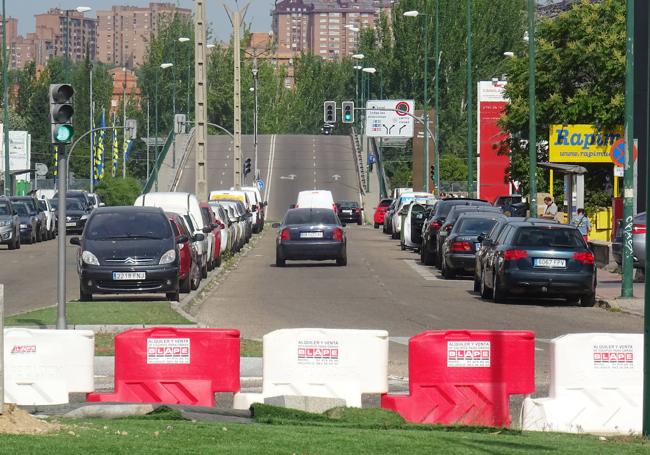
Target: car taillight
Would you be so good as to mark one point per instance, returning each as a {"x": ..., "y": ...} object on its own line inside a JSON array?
[
  {"x": 584, "y": 257},
  {"x": 357, "y": 210},
  {"x": 449, "y": 227},
  {"x": 435, "y": 225},
  {"x": 460, "y": 247},
  {"x": 638, "y": 229},
  {"x": 284, "y": 235},
  {"x": 337, "y": 234},
  {"x": 334, "y": 207},
  {"x": 514, "y": 255}
]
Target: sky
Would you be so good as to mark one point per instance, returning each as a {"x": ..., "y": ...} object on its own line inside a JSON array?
[{"x": 258, "y": 13}]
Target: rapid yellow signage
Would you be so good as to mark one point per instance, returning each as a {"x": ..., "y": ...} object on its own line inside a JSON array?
[{"x": 581, "y": 143}]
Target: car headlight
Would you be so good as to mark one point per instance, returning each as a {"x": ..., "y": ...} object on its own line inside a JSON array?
[
  {"x": 23, "y": 226},
  {"x": 168, "y": 257},
  {"x": 84, "y": 217},
  {"x": 67, "y": 218},
  {"x": 88, "y": 258},
  {"x": 5, "y": 223}
]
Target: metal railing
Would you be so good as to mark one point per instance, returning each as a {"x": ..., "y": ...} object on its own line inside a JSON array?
[
  {"x": 159, "y": 160},
  {"x": 358, "y": 158},
  {"x": 186, "y": 153}
]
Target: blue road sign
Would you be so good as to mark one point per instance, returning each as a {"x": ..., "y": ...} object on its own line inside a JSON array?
[{"x": 260, "y": 184}]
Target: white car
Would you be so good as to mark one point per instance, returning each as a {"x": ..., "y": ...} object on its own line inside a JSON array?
[
  {"x": 258, "y": 208},
  {"x": 407, "y": 198},
  {"x": 227, "y": 231},
  {"x": 50, "y": 216},
  {"x": 414, "y": 210},
  {"x": 315, "y": 199}
]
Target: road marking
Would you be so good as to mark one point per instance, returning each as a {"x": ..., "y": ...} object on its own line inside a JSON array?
[
  {"x": 269, "y": 174},
  {"x": 422, "y": 270}
]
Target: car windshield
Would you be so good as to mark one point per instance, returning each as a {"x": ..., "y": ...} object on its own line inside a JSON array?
[
  {"x": 352, "y": 204},
  {"x": 548, "y": 237},
  {"x": 28, "y": 204},
  {"x": 445, "y": 208},
  {"x": 310, "y": 216},
  {"x": 21, "y": 209},
  {"x": 127, "y": 225},
  {"x": 4, "y": 209},
  {"x": 42, "y": 204},
  {"x": 92, "y": 199},
  {"x": 475, "y": 226},
  {"x": 70, "y": 204}
]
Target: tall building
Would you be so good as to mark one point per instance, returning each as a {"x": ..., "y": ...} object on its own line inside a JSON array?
[
  {"x": 124, "y": 32},
  {"x": 62, "y": 30},
  {"x": 328, "y": 28}
]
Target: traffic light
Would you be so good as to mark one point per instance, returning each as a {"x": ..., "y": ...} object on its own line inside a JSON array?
[
  {"x": 348, "y": 111},
  {"x": 432, "y": 173},
  {"x": 61, "y": 111},
  {"x": 247, "y": 167},
  {"x": 329, "y": 112}
]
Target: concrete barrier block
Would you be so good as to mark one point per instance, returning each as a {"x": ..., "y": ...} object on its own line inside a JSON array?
[{"x": 316, "y": 405}]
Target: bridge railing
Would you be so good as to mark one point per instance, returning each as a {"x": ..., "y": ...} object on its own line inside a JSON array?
[
  {"x": 153, "y": 176},
  {"x": 358, "y": 158}
]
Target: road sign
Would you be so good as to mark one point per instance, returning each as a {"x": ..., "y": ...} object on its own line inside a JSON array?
[
  {"x": 382, "y": 120},
  {"x": 617, "y": 153},
  {"x": 619, "y": 171},
  {"x": 260, "y": 184},
  {"x": 153, "y": 141},
  {"x": 41, "y": 169}
]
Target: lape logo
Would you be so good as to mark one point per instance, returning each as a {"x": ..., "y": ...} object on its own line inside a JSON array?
[{"x": 23, "y": 349}]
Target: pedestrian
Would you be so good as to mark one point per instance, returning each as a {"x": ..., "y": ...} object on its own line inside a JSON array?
[
  {"x": 581, "y": 221},
  {"x": 550, "y": 211}
]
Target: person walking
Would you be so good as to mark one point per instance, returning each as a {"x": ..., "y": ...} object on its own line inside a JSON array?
[{"x": 581, "y": 221}]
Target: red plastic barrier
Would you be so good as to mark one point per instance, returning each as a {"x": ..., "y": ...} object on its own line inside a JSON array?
[
  {"x": 465, "y": 377},
  {"x": 174, "y": 366}
]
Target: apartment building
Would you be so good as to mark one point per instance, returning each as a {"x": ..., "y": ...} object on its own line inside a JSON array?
[
  {"x": 124, "y": 32},
  {"x": 328, "y": 28}
]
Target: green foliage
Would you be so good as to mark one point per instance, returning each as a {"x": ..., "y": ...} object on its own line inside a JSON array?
[
  {"x": 453, "y": 168},
  {"x": 116, "y": 191}
]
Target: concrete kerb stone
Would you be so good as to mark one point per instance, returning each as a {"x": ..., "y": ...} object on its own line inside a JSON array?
[
  {"x": 316, "y": 405},
  {"x": 633, "y": 306},
  {"x": 110, "y": 411}
]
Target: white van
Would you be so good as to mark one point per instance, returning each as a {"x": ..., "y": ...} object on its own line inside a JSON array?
[
  {"x": 315, "y": 199},
  {"x": 186, "y": 205},
  {"x": 256, "y": 197}
]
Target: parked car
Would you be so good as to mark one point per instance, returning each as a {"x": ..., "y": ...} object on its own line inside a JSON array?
[
  {"x": 186, "y": 205},
  {"x": 462, "y": 244},
  {"x": 415, "y": 216},
  {"x": 506, "y": 202},
  {"x": 239, "y": 239},
  {"x": 404, "y": 199},
  {"x": 432, "y": 225},
  {"x": 452, "y": 216},
  {"x": 228, "y": 232},
  {"x": 95, "y": 201},
  {"x": 388, "y": 218},
  {"x": 128, "y": 250},
  {"x": 28, "y": 222},
  {"x": 76, "y": 215},
  {"x": 313, "y": 199},
  {"x": 34, "y": 210},
  {"x": 217, "y": 226},
  {"x": 349, "y": 212},
  {"x": 380, "y": 212},
  {"x": 189, "y": 273},
  {"x": 9, "y": 224},
  {"x": 312, "y": 234},
  {"x": 530, "y": 259},
  {"x": 246, "y": 198},
  {"x": 638, "y": 241},
  {"x": 259, "y": 206},
  {"x": 50, "y": 216},
  {"x": 81, "y": 195}
]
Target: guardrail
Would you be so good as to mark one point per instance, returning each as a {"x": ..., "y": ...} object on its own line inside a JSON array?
[
  {"x": 358, "y": 158},
  {"x": 156, "y": 166}
]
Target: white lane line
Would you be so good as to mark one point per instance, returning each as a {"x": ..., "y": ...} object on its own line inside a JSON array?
[
  {"x": 422, "y": 270},
  {"x": 267, "y": 195}
]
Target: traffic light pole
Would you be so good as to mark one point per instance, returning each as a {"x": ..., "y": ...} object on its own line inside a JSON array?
[
  {"x": 61, "y": 189},
  {"x": 627, "y": 286},
  {"x": 5, "y": 101}
]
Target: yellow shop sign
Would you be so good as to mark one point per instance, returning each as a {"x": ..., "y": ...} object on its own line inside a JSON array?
[{"x": 581, "y": 143}]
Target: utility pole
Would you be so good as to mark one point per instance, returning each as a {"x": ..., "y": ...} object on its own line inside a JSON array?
[
  {"x": 436, "y": 138},
  {"x": 92, "y": 135},
  {"x": 470, "y": 118},
  {"x": 124, "y": 124},
  {"x": 425, "y": 160},
  {"x": 148, "y": 133},
  {"x": 257, "y": 170},
  {"x": 200, "y": 101},
  {"x": 627, "y": 286},
  {"x": 532, "y": 114},
  {"x": 5, "y": 102}
]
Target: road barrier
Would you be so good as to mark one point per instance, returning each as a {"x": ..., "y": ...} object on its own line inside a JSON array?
[
  {"x": 174, "y": 366},
  {"x": 596, "y": 386},
  {"x": 328, "y": 363},
  {"x": 42, "y": 367},
  {"x": 465, "y": 377}
]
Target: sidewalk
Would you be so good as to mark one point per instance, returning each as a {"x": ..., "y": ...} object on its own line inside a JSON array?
[{"x": 609, "y": 290}]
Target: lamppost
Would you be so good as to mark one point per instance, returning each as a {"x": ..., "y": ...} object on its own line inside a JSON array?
[
  {"x": 358, "y": 67},
  {"x": 532, "y": 122},
  {"x": 155, "y": 168},
  {"x": 369, "y": 71},
  {"x": 425, "y": 159},
  {"x": 471, "y": 153},
  {"x": 255, "y": 114},
  {"x": 5, "y": 100},
  {"x": 79, "y": 9}
]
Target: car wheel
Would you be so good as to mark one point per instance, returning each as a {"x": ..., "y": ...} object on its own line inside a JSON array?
[
  {"x": 85, "y": 296},
  {"x": 402, "y": 246},
  {"x": 588, "y": 300},
  {"x": 18, "y": 242},
  {"x": 425, "y": 257},
  {"x": 447, "y": 273},
  {"x": 173, "y": 296},
  {"x": 217, "y": 262},
  {"x": 186, "y": 284},
  {"x": 39, "y": 236},
  {"x": 12, "y": 245},
  {"x": 279, "y": 261},
  {"x": 343, "y": 260},
  {"x": 359, "y": 222},
  {"x": 394, "y": 235},
  {"x": 376, "y": 225},
  {"x": 498, "y": 295},
  {"x": 204, "y": 270},
  {"x": 477, "y": 283},
  {"x": 485, "y": 290}
]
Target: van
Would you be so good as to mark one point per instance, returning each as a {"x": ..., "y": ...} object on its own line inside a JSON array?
[
  {"x": 315, "y": 199},
  {"x": 186, "y": 205},
  {"x": 258, "y": 205}
]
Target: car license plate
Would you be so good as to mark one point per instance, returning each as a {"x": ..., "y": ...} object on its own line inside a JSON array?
[
  {"x": 550, "y": 263},
  {"x": 120, "y": 276},
  {"x": 71, "y": 224},
  {"x": 311, "y": 235},
  {"x": 477, "y": 246},
  {"x": 347, "y": 211}
]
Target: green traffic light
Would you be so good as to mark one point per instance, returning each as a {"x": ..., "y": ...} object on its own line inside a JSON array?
[
  {"x": 64, "y": 133},
  {"x": 348, "y": 116}
]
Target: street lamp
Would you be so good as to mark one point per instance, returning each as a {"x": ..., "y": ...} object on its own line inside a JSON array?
[
  {"x": 162, "y": 66},
  {"x": 532, "y": 122},
  {"x": 5, "y": 100},
  {"x": 425, "y": 117},
  {"x": 255, "y": 114},
  {"x": 357, "y": 57}
]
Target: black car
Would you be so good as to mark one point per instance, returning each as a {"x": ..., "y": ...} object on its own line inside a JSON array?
[
  {"x": 81, "y": 195},
  {"x": 9, "y": 224},
  {"x": 462, "y": 244},
  {"x": 313, "y": 234},
  {"x": 76, "y": 215},
  {"x": 126, "y": 250},
  {"x": 28, "y": 223},
  {"x": 540, "y": 260},
  {"x": 452, "y": 216},
  {"x": 349, "y": 212},
  {"x": 34, "y": 210},
  {"x": 429, "y": 249}
]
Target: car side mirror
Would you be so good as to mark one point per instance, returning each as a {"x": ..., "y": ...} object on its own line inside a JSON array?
[
  {"x": 75, "y": 241},
  {"x": 199, "y": 237},
  {"x": 52, "y": 209},
  {"x": 181, "y": 239},
  {"x": 480, "y": 238},
  {"x": 207, "y": 230},
  {"x": 265, "y": 203},
  {"x": 275, "y": 225}
]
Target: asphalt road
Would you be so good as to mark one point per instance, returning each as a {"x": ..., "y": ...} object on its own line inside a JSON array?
[{"x": 383, "y": 288}]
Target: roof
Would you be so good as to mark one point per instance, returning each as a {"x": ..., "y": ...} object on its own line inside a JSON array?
[
  {"x": 565, "y": 168},
  {"x": 128, "y": 208}
]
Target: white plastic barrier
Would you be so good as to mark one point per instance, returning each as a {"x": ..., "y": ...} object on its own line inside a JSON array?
[
  {"x": 328, "y": 363},
  {"x": 43, "y": 366},
  {"x": 596, "y": 386}
]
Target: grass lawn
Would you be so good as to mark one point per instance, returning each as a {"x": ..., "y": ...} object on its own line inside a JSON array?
[
  {"x": 125, "y": 312},
  {"x": 105, "y": 344},
  {"x": 348, "y": 432}
]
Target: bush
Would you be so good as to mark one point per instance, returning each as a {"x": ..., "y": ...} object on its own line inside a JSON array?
[{"x": 118, "y": 191}]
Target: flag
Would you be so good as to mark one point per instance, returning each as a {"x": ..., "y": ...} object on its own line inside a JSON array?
[
  {"x": 99, "y": 152},
  {"x": 56, "y": 162},
  {"x": 116, "y": 149},
  {"x": 128, "y": 146}
]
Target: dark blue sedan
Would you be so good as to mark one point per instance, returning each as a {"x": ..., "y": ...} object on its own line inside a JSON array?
[{"x": 310, "y": 234}]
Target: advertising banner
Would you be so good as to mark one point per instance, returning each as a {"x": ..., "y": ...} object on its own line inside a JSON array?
[
  {"x": 19, "y": 153},
  {"x": 582, "y": 143},
  {"x": 492, "y": 164}
]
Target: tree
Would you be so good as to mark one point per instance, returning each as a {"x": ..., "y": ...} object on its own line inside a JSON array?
[{"x": 116, "y": 191}]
